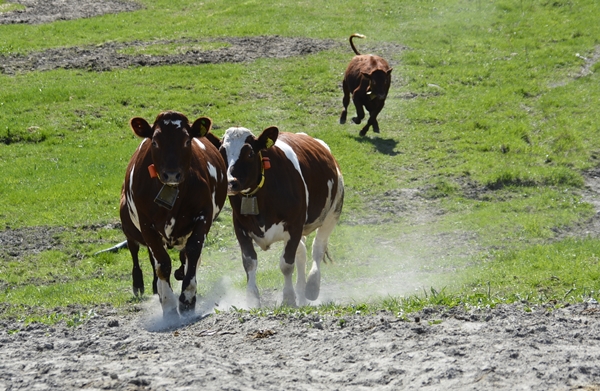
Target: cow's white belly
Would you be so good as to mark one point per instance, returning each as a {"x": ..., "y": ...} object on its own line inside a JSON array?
[{"x": 274, "y": 234}]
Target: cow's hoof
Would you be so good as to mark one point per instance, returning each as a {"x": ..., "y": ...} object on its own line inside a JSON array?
[
  {"x": 179, "y": 273},
  {"x": 363, "y": 132},
  {"x": 171, "y": 314},
  {"x": 187, "y": 307},
  {"x": 376, "y": 130},
  {"x": 356, "y": 120},
  {"x": 253, "y": 302},
  {"x": 342, "y": 121}
]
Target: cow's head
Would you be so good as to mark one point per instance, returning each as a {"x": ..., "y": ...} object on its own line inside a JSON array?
[
  {"x": 241, "y": 152},
  {"x": 379, "y": 83},
  {"x": 171, "y": 148}
]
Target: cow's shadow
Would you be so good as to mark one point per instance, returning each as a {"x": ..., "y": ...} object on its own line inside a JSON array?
[{"x": 386, "y": 146}]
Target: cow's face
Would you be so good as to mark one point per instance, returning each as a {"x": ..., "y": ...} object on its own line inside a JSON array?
[
  {"x": 240, "y": 150},
  {"x": 171, "y": 136},
  {"x": 379, "y": 83}
]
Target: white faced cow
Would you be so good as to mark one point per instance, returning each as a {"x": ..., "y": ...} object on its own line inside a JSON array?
[
  {"x": 175, "y": 186},
  {"x": 281, "y": 187}
]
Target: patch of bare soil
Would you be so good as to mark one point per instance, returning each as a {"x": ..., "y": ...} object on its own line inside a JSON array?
[
  {"x": 38, "y": 12},
  {"x": 14, "y": 243},
  {"x": 107, "y": 57}
]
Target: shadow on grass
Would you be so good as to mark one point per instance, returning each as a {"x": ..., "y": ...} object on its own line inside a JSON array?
[{"x": 386, "y": 146}]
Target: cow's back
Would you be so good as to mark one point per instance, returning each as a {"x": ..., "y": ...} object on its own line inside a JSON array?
[{"x": 320, "y": 173}]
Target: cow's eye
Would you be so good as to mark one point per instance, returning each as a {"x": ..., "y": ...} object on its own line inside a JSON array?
[
  {"x": 154, "y": 144},
  {"x": 250, "y": 154},
  {"x": 187, "y": 143}
]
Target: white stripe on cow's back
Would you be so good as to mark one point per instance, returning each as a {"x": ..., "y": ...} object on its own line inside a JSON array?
[
  {"x": 133, "y": 214},
  {"x": 323, "y": 143},
  {"x": 293, "y": 158},
  {"x": 200, "y": 144},
  {"x": 233, "y": 141},
  {"x": 142, "y": 143}
]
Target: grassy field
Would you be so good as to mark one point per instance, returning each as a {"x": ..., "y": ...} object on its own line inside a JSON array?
[{"x": 490, "y": 125}]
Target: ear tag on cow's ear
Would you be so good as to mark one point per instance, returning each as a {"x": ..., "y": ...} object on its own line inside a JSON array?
[
  {"x": 203, "y": 128},
  {"x": 249, "y": 206},
  {"x": 167, "y": 196},
  {"x": 269, "y": 143}
]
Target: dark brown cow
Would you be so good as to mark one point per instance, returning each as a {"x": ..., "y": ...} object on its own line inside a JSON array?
[
  {"x": 175, "y": 186},
  {"x": 368, "y": 79},
  {"x": 281, "y": 187}
]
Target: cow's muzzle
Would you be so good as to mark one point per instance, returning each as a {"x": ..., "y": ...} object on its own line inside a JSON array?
[
  {"x": 233, "y": 187},
  {"x": 172, "y": 178}
]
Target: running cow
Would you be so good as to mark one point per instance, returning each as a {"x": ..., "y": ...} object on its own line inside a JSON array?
[
  {"x": 367, "y": 79},
  {"x": 175, "y": 186},
  {"x": 282, "y": 187}
]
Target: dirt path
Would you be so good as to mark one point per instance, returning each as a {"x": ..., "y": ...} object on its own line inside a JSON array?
[{"x": 501, "y": 349}]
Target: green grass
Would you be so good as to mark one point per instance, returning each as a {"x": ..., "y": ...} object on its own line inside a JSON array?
[
  {"x": 8, "y": 7},
  {"x": 486, "y": 94}
]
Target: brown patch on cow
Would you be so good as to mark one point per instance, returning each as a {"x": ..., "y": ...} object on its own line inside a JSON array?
[{"x": 367, "y": 79}]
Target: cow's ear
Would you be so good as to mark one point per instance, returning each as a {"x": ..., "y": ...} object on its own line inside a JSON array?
[
  {"x": 214, "y": 140},
  {"x": 201, "y": 127},
  {"x": 389, "y": 72},
  {"x": 141, "y": 127},
  {"x": 267, "y": 138}
]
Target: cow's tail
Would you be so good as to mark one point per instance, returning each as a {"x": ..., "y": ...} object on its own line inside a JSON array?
[
  {"x": 327, "y": 256},
  {"x": 357, "y": 35},
  {"x": 113, "y": 249}
]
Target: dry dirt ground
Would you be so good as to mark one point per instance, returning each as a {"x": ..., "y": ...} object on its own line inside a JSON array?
[{"x": 506, "y": 348}]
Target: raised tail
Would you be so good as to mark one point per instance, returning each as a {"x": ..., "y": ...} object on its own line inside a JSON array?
[{"x": 357, "y": 35}]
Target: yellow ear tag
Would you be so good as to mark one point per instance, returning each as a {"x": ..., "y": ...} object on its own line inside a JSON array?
[
  {"x": 269, "y": 143},
  {"x": 203, "y": 128}
]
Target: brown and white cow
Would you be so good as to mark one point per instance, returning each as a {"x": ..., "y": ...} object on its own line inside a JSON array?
[
  {"x": 282, "y": 187},
  {"x": 367, "y": 78},
  {"x": 175, "y": 186}
]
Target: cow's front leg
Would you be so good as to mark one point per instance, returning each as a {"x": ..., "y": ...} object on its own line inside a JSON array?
[
  {"x": 286, "y": 264},
  {"x": 360, "y": 111},
  {"x": 162, "y": 266},
  {"x": 193, "y": 249},
  {"x": 250, "y": 262}
]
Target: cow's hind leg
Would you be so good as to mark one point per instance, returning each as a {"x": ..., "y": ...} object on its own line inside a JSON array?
[
  {"x": 313, "y": 283},
  {"x": 180, "y": 272},
  {"x": 345, "y": 102},
  {"x": 301, "y": 272},
  {"x": 136, "y": 273}
]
